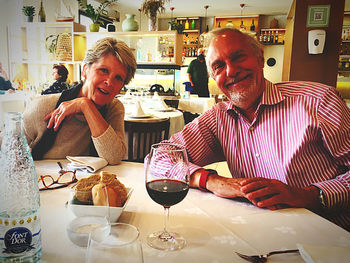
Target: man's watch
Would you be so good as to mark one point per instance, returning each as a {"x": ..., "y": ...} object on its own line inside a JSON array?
[
  {"x": 204, "y": 178},
  {"x": 322, "y": 199}
]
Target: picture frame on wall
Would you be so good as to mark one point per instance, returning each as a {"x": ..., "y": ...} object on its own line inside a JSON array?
[{"x": 318, "y": 15}]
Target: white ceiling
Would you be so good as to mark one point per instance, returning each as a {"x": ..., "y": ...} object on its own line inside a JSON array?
[{"x": 216, "y": 7}]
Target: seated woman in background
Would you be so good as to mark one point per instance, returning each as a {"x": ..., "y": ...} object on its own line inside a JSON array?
[
  {"x": 5, "y": 83},
  {"x": 60, "y": 74},
  {"x": 86, "y": 119}
]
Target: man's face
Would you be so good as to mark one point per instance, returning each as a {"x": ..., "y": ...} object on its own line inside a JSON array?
[{"x": 237, "y": 70}]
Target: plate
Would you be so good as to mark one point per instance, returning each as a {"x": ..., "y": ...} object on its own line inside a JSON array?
[
  {"x": 141, "y": 116},
  {"x": 90, "y": 210},
  {"x": 165, "y": 110}
]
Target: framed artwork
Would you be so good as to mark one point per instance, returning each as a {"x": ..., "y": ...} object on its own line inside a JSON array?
[{"x": 318, "y": 15}]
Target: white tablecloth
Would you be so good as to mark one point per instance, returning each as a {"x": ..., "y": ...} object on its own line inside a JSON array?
[
  {"x": 177, "y": 121},
  {"x": 213, "y": 227},
  {"x": 196, "y": 105}
]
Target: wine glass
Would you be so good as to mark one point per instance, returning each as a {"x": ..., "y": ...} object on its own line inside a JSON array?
[
  {"x": 167, "y": 183},
  {"x": 87, "y": 209},
  {"x": 117, "y": 242}
]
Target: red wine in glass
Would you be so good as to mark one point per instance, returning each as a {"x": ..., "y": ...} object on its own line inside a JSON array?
[
  {"x": 167, "y": 192},
  {"x": 167, "y": 183}
]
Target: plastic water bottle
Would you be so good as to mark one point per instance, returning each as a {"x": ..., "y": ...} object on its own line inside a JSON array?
[{"x": 20, "y": 232}]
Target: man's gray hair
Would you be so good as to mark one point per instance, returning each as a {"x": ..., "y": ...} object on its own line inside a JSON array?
[{"x": 254, "y": 43}]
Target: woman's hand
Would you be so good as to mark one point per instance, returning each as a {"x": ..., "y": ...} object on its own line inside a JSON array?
[
  {"x": 274, "y": 194},
  {"x": 66, "y": 110}
]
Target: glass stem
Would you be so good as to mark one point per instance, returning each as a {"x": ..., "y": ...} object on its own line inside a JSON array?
[
  {"x": 165, "y": 235},
  {"x": 166, "y": 218}
]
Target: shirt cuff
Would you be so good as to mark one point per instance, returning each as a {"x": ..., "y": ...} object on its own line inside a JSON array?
[{"x": 335, "y": 193}]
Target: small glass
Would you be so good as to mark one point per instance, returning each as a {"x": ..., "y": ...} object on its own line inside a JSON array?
[
  {"x": 84, "y": 216},
  {"x": 118, "y": 242}
]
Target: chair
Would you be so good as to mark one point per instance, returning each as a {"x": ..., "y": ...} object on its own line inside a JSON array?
[{"x": 141, "y": 136}]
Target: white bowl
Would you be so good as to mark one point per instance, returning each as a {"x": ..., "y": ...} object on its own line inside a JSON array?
[
  {"x": 78, "y": 229},
  {"x": 91, "y": 210}
]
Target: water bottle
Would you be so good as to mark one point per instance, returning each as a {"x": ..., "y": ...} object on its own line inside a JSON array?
[{"x": 20, "y": 233}]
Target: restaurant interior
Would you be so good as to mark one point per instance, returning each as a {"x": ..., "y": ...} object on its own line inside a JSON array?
[{"x": 158, "y": 101}]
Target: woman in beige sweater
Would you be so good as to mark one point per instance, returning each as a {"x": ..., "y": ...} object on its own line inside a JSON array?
[{"x": 87, "y": 119}]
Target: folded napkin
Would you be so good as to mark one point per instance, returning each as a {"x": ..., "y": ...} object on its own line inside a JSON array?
[
  {"x": 91, "y": 164},
  {"x": 322, "y": 254},
  {"x": 161, "y": 105},
  {"x": 138, "y": 110},
  {"x": 156, "y": 95}
]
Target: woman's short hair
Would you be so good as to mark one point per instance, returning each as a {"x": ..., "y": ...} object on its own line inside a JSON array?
[
  {"x": 119, "y": 49},
  {"x": 254, "y": 43},
  {"x": 62, "y": 71}
]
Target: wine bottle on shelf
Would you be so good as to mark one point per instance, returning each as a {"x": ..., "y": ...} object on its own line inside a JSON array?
[
  {"x": 252, "y": 26},
  {"x": 265, "y": 37},
  {"x": 42, "y": 16},
  {"x": 193, "y": 24},
  {"x": 276, "y": 37},
  {"x": 219, "y": 25},
  {"x": 187, "y": 25}
]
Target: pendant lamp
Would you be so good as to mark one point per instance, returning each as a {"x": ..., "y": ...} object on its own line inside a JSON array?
[{"x": 203, "y": 36}]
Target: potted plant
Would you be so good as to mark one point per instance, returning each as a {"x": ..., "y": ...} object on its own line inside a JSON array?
[
  {"x": 51, "y": 45},
  {"x": 151, "y": 8},
  {"x": 177, "y": 26},
  {"x": 94, "y": 14},
  {"x": 29, "y": 12}
]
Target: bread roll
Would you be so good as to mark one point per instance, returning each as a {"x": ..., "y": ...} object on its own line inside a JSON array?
[{"x": 93, "y": 187}]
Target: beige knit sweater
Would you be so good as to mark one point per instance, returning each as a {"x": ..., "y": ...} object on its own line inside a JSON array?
[{"x": 74, "y": 136}]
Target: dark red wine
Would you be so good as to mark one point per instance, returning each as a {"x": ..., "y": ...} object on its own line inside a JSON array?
[{"x": 167, "y": 192}]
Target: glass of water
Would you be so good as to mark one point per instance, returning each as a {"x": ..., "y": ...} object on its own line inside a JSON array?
[{"x": 118, "y": 242}]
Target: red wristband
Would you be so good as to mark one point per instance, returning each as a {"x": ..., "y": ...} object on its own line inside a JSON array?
[{"x": 204, "y": 178}]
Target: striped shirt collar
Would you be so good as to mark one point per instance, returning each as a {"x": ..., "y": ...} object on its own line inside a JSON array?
[{"x": 271, "y": 96}]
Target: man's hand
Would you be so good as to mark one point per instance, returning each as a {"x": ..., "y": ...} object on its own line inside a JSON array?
[
  {"x": 224, "y": 187},
  {"x": 274, "y": 194}
]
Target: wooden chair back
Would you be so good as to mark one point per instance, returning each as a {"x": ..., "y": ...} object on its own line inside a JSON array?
[{"x": 141, "y": 136}]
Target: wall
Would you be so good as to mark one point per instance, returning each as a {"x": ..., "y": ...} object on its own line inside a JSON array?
[{"x": 298, "y": 64}]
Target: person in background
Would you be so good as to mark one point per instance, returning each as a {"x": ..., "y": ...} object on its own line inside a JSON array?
[
  {"x": 59, "y": 74},
  {"x": 86, "y": 119},
  {"x": 5, "y": 83},
  {"x": 286, "y": 144},
  {"x": 198, "y": 75}
]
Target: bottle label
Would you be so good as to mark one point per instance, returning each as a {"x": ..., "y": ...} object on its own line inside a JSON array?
[{"x": 19, "y": 235}]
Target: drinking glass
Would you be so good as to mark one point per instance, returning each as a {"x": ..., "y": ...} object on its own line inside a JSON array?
[
  {"x": 118, "y": 242},
  {"x": 167, "y": 183},
  {"x": 86, "y": 214}
]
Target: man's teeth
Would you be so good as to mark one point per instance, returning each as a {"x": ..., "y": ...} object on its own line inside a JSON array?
[{"x": 103, "y": 91}]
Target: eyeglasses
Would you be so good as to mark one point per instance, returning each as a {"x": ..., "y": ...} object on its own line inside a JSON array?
[{"x": 64, "y": 179}]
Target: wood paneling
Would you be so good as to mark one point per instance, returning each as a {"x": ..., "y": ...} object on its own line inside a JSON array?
[{"x": 298, "y": 64}]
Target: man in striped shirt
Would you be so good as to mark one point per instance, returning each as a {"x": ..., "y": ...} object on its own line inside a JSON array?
[{"x": 286, "y": 144}]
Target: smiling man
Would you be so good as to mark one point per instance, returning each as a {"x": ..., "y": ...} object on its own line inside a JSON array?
[
  {"x": 286, "y": 144},
  {"x": 87, "y": 119}
]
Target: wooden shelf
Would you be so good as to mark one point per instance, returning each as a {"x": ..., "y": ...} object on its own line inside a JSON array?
[{"x": 221, "y": 21}]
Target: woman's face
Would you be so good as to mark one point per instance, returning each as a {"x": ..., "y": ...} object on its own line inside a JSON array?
[
  {"x": 55, "y": 74},
  {"x": 103, "y": 79}
]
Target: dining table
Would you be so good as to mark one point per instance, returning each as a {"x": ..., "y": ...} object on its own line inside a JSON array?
[
  {"x": 213, "y": 227},
  {"x": 153, "y": 112},
  {"x": 195, "y": 104}
]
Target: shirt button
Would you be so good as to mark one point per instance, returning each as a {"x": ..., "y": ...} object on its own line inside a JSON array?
[
  {"x": 257, "y": 155},
  {"x": 251, "y": 129}
]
